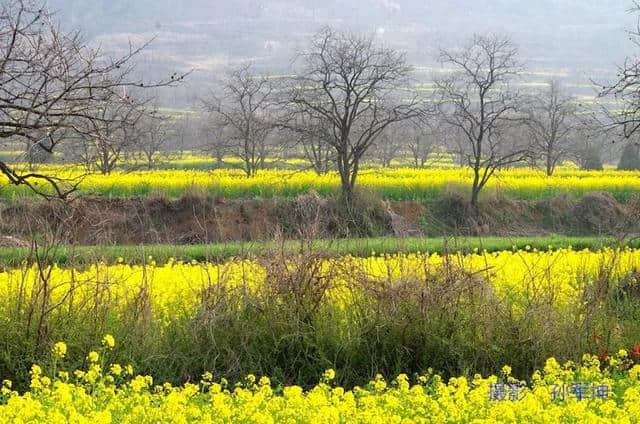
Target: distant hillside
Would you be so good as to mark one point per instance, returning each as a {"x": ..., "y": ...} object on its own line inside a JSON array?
[{"x": 583, "y": 37}]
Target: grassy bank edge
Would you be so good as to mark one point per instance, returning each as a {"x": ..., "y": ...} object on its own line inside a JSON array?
[{"x": 82, "y": 255}]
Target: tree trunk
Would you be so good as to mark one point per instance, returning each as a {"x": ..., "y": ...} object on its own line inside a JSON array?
[
  {"x": 548, "y": 159},
  {"x": 347, "y": 189},
  {"x": 346, "y": 179},
  {"x": 474, "y": 196},
  {"x": 475, "y": 188}
]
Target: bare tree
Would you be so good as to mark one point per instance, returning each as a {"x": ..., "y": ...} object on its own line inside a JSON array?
[
  {"x": 50, "y": 84},
  {"x": 352, "y": 85},
  {"x": 477, "y": 100},
  {"x": 216, "y": 140},
  {"x": 312, "y": 135},
  {"x": 626, "y": 89},
  {"x": 456, "y": 143},
  {"x": 186, "y": 131},
  {"x": 588, "y": 141},
  {"x": 587, "y": 153},
  {"x": 113, "y": 133},
  {"x": 551, "y": 120},
  {"x": 318, "y": 152},
  {"x": 422, "y": 138},
  {"x": 152, "y": 135},
  {"x": 35, "y": 154},
  {"x": 241, "y": 113},
  {"x": 389, "y": 145}
]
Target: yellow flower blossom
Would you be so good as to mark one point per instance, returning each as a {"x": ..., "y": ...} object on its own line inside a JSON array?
[
  {"x": 115, "y": 369},
  {"x": 59, "y": 350},
  {"x": 108, "y": 341}
]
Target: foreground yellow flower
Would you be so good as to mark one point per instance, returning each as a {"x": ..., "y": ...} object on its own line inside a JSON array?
[
  {"x": 116, "y": 369},
  {"x": 59, "y": 350},
  {"x": 329, "y": 374},
  {"x": 428, "y": 399},
  {"x": 108, "y": 341}
]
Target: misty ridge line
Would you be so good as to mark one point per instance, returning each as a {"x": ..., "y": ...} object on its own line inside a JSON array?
[{"x": 583, "y": 37}]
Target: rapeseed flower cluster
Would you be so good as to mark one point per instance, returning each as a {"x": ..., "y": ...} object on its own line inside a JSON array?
[
  {"x": 112, "y": 396},
  {"x": 516, "y": 275},
  {"x": 108, "y": 341},
  {"x": 59, "y": 350},
  {"x": 396, "y": 184}
]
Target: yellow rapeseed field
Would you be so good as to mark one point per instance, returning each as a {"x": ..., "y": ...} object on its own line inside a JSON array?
[
  {"x": 396, "y": 184},
  {"x": 104, "y": 392},
  {"x": 517, "y": 274}
]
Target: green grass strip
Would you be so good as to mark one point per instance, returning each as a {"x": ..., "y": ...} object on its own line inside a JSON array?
[{"x": 84, "y": 255}]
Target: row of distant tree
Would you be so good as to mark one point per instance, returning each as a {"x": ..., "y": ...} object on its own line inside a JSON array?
[
  {"x": 349, "y": 100},
  {"x": 157, "y": 139},
  {"x": 553, "y": 129},
  {"x": 352, "y": 99}
]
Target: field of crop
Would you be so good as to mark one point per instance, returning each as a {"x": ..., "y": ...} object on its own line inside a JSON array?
[
  {"x": 304, "y": 330},
  {"x": 105, "y": 392},
  {"x": 435, "y": 322},
  {"x": 512, "y": 273},
  {"x": 292, "y": 316},
  {"x": 193, "y": 160},
  {"x": 393, "y": 184},
  {"x": 324, "y": 330},
  {"x": 517, "y": 274},
  {"x": 187, "y": 237}
]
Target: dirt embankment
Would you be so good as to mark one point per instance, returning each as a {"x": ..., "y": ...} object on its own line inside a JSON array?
[{"x": 191, "y": 219}]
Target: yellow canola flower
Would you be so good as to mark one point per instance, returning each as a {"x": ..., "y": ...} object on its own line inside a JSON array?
[
  {"x": 108, "y": 341},
  {"x": 329, "y": 375},
  {"x": 136, "y": 399},
  {"x": 517, "y": 276},
  {"x": 397, "y": 183},
  {"x": 116, "y": 369},
  {"x": 59, "y": 350}
]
